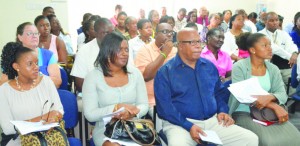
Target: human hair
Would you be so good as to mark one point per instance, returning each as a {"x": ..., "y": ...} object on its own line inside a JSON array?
[
  {"x": 46, "y": 8},
  {"x": 188, "y": 17},
  {"x": 101, "y": 21},
  {"x": 86, "y": 17},
  {"x": 11, "y": 53},
  {"x": 241, "y": 12},
  {"x": 212, "y": 32},
  {"x": 296, "y": 17},
  {"x": 165, "y": 19},
  {"x": 118, "y": 7},
  {"x": 232, "y": 19},
  {"x": 50, "y": 17},
  {"x": 121, "y": 13},
  {"x": 224, "y": 12},
  {"x": 280, "y": 18},
  {"x": 212, "y": 15},
  {"x": 110, "y": 47},
  {"x": 39, "y": 18},
  {"x": 182, "y": 10},
  {"x": 252, "y": 15},
  {"x": 86, "y": 26},
  {"x": 241, "y": 41},
  {"x": 95, "y": 17},
  {"x": 192, "y": 25},
  {"x": 150, "y": 15},
  {"x": 20, "y": 30},
  {"x": 127, "y": 21},
  {"x": 141, "y": 22}
]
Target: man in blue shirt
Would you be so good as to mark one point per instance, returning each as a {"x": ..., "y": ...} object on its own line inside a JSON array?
[{"x": 190, "y": 98}]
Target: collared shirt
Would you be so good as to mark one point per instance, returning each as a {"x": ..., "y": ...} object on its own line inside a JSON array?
[
  {"x": 281, "y": 43},
  {"x": 183, "y": 92},
  {"x": 179, "y": 24},
  {"x": 146, "y": 55},
  {"x": 230, "y": 45},
  {"x": 203, "y": 21},
  {"x": 223, "y": 64},
  {"x": 135, "y": 45}
]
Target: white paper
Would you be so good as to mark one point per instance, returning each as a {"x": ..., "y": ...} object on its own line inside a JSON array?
[
  {"x": 244, "y": 90},
  {"x": 126, "y": 143},
  {"x": 211, "y": 136},
  {"x": 25, "y": 127},
  {"x": 108, "y": 117}
]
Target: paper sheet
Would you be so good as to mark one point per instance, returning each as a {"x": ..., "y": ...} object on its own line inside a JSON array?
[
  {"x": 25, "y": 127},
  {"x": 211, "y": 137},
  {"x": 107, "y": 118},
  {"x": 126, "y": 143}
]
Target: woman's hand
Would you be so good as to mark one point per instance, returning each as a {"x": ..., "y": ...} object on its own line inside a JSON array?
[
  {"x": 130, "y": 111},
  {"x": 263, "y": 100},
  {"x": 54, "y": 117},
  {"x": 281, "y": 113}
]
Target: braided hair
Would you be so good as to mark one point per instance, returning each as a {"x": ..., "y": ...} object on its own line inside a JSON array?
[{"x": 11, "y": 52}]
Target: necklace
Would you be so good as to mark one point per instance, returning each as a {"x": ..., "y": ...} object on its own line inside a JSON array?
[{"x": 19, "y": 86}]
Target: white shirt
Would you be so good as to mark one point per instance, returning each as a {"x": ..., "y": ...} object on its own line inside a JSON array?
[
  {"x": 282, "y": 44},
  {"x": 179, "y": 24},
  {"x": 251, "y": 25},
  {"x": 230, "y": 45},
  {"x": 80, "y": 40},
  {"x": 135, "y": 45},
  {"x": 85, "y": 58}
]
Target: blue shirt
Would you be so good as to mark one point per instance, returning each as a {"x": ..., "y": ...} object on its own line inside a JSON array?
[
  {"x": 45, "y": 58},
  {"x": 183, "y": 92},
  {"x": 296, "y": 38}
]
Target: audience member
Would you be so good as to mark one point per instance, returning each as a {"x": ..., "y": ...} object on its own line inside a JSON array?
[
  {"x": 192, "y": 18},
  {"x": 203, "y": 16},
  {"x": 57, "y": 30},
  {"x": 131, "y": 28},
  {"x": 154, "y": 19},
  {"x": 163, "y": 11},
  {"x": 152, "y": 56},
  {"x": 242, "y": 46},
  {"x": 226, "y": 18},
  {"x": 212, "y": 52},
  {"x": 295, "y": 34},
  {"x": 268, "y": 75},
  {"x": 27, "y": 94},
  {"x": 142, "y": 14},
  {"x": 170, "y": 20},
  {"x": 280, "y": 18},
  {"x": 249, "y": 25},
  {"x": 260, "y": 25},
  {"x": 88, "y": 31},
  {"x": 85, "y": 18},
  {"x": 235, "y": 25},
  {"x": 180, "y": 21},
  {"x": 189, "y": 103},
  {"x": 145, "y": 31},
  {"x": 214, "y": 22},
  {"x": 49, "y": 41},
  {"x": 284, "y": 50},
  {"x": 116, "y": 86},
  {"x": 253, "y": 17},
  {"x": 114, "y": 20},
  {"x": 120, "y": 27},
  {"x": 47, "y": 11}
]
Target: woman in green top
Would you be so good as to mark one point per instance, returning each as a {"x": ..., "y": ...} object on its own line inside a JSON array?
[{"x": 283, "y": 133}]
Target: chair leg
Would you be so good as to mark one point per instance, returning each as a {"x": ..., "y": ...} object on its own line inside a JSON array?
[{"x": 80, "y": 124}]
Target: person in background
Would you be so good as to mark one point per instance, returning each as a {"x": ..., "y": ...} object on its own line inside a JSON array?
[
  {"x": 120, "y": 27},
  {"x": 88, "y": 29},
  {"x": 235, "y": 25},
  {"x": 47, "y": 11},
  {"x": 145, "y": 31},
  {"x": 192, "y": 18},
  {"x": 249, "y": 25},
  {"x": 269, "y": 78},
  {"x": 142, "y": 14},
  {"x": 212, "y": 52},
  {"x": 226, "y": 18},
  {"x": 241, "y": 43},
  {"x": 114, "y": 20},
  {"x": 280, "y": 18},
  {"x": 163, "y": 11},
  {"x": 189, "y": 99},
  {"x": 260, "y": 25},
  {"x": 28, "y": 35},
  {"x": 49, "y": 41},
  {"x": 28, "y": 95},
  {"x": 203, "y": 16},
  {"x": 214, "y": 22},
  {"x": 115, "y": 85},
  {"x": 181, "y": 20},
  {"x": 85, "y": 18},
  {"x": 253, "y": 17},
  {"x": 295, "y": 34},
  {"x": 170, "y": 20},
  {"x": 152, "y": 56},
  {"x": 153, "y": 17},
  {"x": 57, "y": 30},
  {"x": 131, "y": 28}
]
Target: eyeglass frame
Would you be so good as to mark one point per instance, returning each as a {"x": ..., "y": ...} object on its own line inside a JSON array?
[
  {"x": 31, "y": 34},
  {"x": 194, "y": 43},
  {"x": 167, "y": 32}
]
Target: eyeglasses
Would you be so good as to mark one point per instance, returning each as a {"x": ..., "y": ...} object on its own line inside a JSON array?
[
  {"x": 168, "y": 32},
  {"x": 32, "y": 34},
  {"x": 194, "y": 43},
  {"x": 42, "y": 120}
]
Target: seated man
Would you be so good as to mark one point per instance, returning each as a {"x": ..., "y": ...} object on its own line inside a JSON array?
[{"x": 189, "y": 98}]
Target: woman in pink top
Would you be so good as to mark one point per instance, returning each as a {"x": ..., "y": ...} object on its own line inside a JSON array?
[
  {"x": 240, "y": 42},
  {"x": 212, "y": 52},
  {"x": 49, "y": 41}
]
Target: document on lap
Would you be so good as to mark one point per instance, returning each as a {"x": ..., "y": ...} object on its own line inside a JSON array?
[
  {"x": 244, "y": 90},
  {"x": 211, "y": 136},
  {"x": 108, "y": 117},
  {"x": 25, "y": 127}
]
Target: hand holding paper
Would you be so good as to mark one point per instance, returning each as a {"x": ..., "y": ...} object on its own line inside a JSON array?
[
  {"x": 211, "y": 136},
  {"x": 25, "y": 127}
]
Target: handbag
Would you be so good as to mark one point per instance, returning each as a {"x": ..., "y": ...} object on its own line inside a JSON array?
[
  {"x": 52, "y": 137},
  {"x": 140, "y": 131},
  {"x": 264, "y": 114}
]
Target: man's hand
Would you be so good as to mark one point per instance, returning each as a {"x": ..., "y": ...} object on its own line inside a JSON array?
[
  {"x": 194, "y": 132},
  {"x": 225, "y": 119},
  {"x": 167, "y": 47},
  {"x": 293, "y": 59}
]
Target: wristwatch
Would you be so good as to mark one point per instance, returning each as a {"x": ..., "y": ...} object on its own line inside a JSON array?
[{"x": 296, "y": 52}]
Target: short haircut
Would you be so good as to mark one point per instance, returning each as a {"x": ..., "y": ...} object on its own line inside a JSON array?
[
  {"x": 118, "y": 7},
  {"x": 212, "y": 32},
  {"x": 121, "y": 13},
  {"x": 141, "y": 22},
  {"x": 252, "y": 15},
  {"x": 46, "y": 8},
  {"x": 39, "y": 18},
  {"x": 224, "y": 12},
  {"x": 296, "y": 17},
  {"x": 165, "y": 19},
  {"x": 99, "y": 22},
  {"x": 182, "y": 10},
  {"x": 192, "y": 25}
]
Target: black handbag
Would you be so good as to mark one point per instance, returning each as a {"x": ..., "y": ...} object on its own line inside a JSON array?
[
  {"x": 140, "y": 131},
  {"x": 264, "y": 114}
]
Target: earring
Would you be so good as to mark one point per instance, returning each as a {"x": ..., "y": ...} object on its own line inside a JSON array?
[
  {"x": 253, "y": 52},
  {"x": 18, "y": 70}
]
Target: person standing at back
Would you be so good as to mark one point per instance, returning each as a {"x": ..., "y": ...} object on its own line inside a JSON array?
[{"x": 114, "y": 19}]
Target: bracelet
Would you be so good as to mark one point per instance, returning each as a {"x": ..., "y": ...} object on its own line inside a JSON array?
[{"x": 163, "y": 54}]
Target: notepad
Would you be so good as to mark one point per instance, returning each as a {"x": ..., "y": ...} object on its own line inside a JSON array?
[
  {"x": 211, "y": 136},
  {"x": 25, "y": 127}
]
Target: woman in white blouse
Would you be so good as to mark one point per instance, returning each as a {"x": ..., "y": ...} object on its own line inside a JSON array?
[{"x": 111, "y": 85}]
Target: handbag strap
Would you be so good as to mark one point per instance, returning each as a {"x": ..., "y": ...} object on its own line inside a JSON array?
[{"x": 133, "y": 138}]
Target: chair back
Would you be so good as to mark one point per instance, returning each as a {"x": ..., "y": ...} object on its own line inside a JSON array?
[
  {"x": 294, "y": 81},
  {"x": 69, "y": 102},
  {"x": 64, "y": 79}
]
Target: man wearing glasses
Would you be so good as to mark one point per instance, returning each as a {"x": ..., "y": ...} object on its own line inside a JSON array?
[
  {"x": 189, "y": 98},
  {"x": 152, "y": 56}
]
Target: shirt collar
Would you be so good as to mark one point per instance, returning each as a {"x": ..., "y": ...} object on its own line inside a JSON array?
[
  {"x": 178, "y": 61},
  {"x": 206, "y": 51},
  {"x": 269, "y": 32}
]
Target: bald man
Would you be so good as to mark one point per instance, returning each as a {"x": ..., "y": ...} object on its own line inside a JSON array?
[{"x": 189, "y": 98}]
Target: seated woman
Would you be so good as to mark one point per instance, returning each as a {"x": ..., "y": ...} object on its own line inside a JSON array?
[
  {"x": 282, "y": 133},
  {"x": 28, "y": 95},
  {"x": 219, "y": 58},
  {"x": 214, "y": 22},
  {"x": 111, "y": 85},
  {"x": 241, "y": 43},
  {"x": 295, "y": 34},
  {"x": 131, "y": 27},
  {"x": 192, "y": 18},
  {"x": 28, "y": 36},
  {"x": 49, "y": 41}
]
